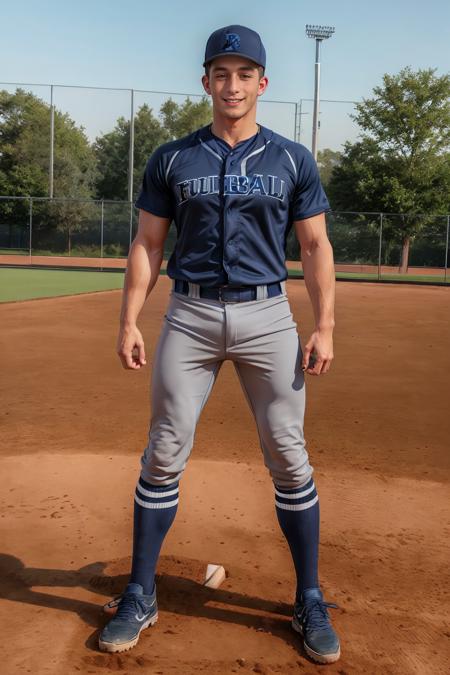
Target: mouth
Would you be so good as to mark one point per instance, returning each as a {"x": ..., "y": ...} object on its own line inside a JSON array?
[{"x": 233, "y": 101}]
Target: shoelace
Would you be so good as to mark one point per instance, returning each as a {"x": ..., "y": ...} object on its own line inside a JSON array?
[
  {"x": 315, "y": 615},
  {"x": 129, "y": 606}
]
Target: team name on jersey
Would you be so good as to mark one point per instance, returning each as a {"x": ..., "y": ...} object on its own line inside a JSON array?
[{"x": 234, "y": 184}]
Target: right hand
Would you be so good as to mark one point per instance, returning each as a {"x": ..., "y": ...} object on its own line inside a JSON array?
[{"x": 130, "y": 348}]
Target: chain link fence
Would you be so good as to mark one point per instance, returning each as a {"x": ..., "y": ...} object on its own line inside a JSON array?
[
  {"x": 98, "y": 233},
  {"x": 99, "y": 110}
]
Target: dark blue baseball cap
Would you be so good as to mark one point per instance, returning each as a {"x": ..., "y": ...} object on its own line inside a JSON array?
[{"x": 237, "y": 40}]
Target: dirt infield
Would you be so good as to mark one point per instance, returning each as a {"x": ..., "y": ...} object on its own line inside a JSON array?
[{"x": 74, "y": 424}]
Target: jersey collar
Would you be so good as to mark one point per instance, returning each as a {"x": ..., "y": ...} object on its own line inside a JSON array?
[{"x": 262, "y": 137}]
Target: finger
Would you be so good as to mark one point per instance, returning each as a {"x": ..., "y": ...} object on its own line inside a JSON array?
[
  {"x": 141, "y": 354},
  {"x": 326, "y": 365},
  {"x": 136, "y": 357},
  {"x": 315, "y": 370},
  {"x": 122, "y": 360},
  {"x": 312, "y": 362},
  {"x": 128, "y": 359},
  {"x": 306, "y": 356},
  {"x": 121, "y": 356}
]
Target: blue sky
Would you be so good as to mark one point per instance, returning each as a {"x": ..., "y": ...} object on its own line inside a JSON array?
[{"x": 160, "y": 45}]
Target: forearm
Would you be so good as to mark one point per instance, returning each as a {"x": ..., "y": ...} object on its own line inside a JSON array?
[
  {"x": 319, "y": 275},
  {"x": 142, "y": 272}
]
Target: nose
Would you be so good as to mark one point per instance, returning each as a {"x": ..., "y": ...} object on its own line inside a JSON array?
[{"x": 233, "y": 83}]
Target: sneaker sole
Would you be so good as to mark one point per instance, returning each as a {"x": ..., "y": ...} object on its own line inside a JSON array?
[
  {"x": 320, "y": 658},
  {"x": 125, "y": 646}
]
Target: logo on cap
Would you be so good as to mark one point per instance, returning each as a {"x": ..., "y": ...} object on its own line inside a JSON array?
[{"x": 232, "y": 43}]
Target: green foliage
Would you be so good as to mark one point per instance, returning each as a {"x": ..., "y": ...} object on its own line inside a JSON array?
[
  {"x": 401, "y": 164},
  {"x": 24, "y": 142},
  {"x": 112, "y": 149},
  {"x": 25, "y": 150},
  {"x": 112, "y": 153},
  {"x": 327, "y": 160},
  {"x": 25, "y": 157},
  {"x": 180, "y": 120}
]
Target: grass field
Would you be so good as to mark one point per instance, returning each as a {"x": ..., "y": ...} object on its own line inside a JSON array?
[{"x": 26, "y": 284}]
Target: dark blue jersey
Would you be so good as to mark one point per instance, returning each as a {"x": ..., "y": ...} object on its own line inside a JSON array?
[{"x": 233, "y": 207}]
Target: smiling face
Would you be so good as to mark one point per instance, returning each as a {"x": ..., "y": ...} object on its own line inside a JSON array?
[{"x": 234, "y": 84}]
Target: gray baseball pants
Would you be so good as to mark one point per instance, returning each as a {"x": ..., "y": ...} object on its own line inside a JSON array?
[{"x": 260, "y": 338}]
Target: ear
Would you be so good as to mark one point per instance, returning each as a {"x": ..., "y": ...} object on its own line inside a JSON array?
[
  {"x": 263, "y": 82},
  {"x": 205, "y": 82}
]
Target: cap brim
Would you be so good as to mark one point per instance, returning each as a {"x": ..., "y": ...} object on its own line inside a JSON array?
[{"x": 245, "y": 56}]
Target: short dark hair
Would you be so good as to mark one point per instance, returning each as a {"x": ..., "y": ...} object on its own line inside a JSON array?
[{"x": 261, "y": 69}]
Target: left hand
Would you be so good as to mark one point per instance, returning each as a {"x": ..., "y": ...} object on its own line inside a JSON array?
[{"x": 320, "y": 348}]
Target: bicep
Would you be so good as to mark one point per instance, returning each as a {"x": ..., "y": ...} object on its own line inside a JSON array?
[
  {"x": 152, "y": 230},
  {"x": 311, "y": 231}
]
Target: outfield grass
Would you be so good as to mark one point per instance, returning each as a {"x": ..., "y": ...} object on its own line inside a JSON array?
[
  {"x": 25, "y": 284},
  {"x": 367, "y": 276},
  {"x": 29, "y": 283}
]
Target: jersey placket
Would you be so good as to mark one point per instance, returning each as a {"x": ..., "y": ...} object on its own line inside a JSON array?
[{"x": 230, "y": 220}]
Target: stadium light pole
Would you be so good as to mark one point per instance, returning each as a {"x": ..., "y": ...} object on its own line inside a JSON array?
[{"x": 319, "y": 33}]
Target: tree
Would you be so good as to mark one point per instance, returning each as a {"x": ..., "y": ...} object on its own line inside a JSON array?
[
  {"x": 401, "y": 164},
  {"x": 182, "y": 119},
  {"x": 327, "y": 160},
  {"x": 25, "y": 159},
  {"x": 112, "y": 149},
  {"x": 25, "y": 149},
  {"x": 112, "y": 153}
]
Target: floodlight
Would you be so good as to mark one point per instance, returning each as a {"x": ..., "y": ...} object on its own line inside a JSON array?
[{"x": 319, "y": 32}]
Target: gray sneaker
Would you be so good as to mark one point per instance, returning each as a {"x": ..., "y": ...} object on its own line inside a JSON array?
[
  {"x": 311, "y": 620},
  {"x": 135, "y": 612}
]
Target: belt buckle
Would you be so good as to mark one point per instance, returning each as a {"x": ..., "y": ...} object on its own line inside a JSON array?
[{"x": 222, "y": 299}]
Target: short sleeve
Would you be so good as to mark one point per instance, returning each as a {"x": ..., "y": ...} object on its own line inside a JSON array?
[
  {"x": 155, "y": 195},
  {"x": 309, "y": 197}
]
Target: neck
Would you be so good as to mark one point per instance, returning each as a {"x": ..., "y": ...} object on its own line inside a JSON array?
[{"x": 234, "y": 131}]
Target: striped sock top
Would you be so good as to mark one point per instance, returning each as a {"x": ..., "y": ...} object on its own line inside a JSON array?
[{"x": 156, "y": 496}]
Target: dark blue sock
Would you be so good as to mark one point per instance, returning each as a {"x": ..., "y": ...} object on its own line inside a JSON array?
[
  {"x": 298, "y": 514},
  {"x": 155, "y": 507}
]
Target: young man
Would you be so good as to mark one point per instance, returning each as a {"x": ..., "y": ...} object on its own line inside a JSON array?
[{"x": 234, "y": 190}]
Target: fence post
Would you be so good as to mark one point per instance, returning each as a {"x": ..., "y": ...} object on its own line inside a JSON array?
[
  {"x": 52, "y": 142},
  {"x": 295, "y": 121},
  {"x": 101, "y": 233},
  {"x": 300, "y": 121},
  {"x": 131, "y": 225},
  {"x": 446, "y": 250},
  {"x": 379, "y": 246},
  {"x": 131, "y": 149},
  {"x": 30, "y": 219}
]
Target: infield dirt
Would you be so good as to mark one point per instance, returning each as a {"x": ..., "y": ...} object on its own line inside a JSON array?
[{"x": 377, "y": 426}]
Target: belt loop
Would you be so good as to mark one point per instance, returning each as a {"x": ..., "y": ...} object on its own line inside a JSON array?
[
  {"x": 261, "y": 292},
  {"x": 194, "y": 290},
  {"x": 283, "y": 286}
]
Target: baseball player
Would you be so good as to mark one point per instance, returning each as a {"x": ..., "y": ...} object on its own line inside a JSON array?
[{"x": 233, "y": 188}]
